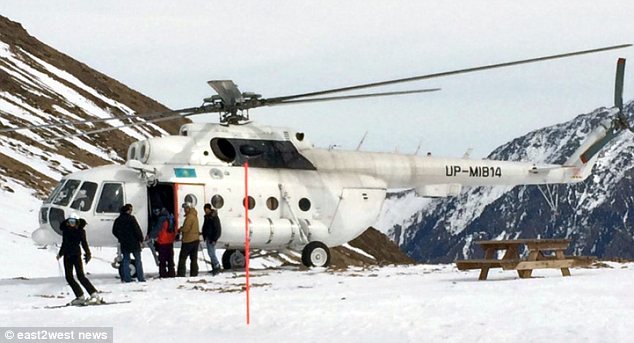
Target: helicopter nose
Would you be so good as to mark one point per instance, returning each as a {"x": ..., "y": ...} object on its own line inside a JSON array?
[{"x": 45, "y": 236}]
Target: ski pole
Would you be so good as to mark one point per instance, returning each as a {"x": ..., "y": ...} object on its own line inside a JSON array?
[{"x": 204, "y": 260}]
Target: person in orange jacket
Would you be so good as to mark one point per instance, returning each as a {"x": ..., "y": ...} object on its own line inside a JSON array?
[{"x": 164, "y": 233}]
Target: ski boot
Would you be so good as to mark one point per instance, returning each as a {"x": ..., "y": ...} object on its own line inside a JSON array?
[
  {"x": 94, "y": 299},
  {"x": 79, "y": 301}
]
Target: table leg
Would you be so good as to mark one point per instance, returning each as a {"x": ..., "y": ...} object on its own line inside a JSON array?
[
  {"x": 560, "y": 256},
  {"x": 533, "y": 255},
  {"x": 489, "y": 254}
]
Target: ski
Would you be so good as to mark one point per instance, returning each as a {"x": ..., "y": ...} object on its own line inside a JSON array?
[{"x": 88, "y": 304}]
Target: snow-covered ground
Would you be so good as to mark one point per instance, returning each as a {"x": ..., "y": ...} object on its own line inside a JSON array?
[{"x": 424, "y": 303}]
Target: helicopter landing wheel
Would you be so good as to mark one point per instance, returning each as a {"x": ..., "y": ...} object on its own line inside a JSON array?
[
  {"x": 132, "y": 269},
  {"x": 233, "y": 259},
  {"x": 316, "y": 254}
]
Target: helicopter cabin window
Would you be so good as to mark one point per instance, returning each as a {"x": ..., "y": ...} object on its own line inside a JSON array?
[
  {"x": 83, "y": 199},
  {"x": 54, "y": 192},
  {"x": 66, "y": 193},
  {"x": 223, "y": 149},
  {"x": 111, "y": 199},
  {"x": 251, "y": 202},
  {"x": 217, "y": 201},
  {"x": 304, "y": 204},
  {"x": 272, "y": 203},
  {"x": 190, "y": 198}
]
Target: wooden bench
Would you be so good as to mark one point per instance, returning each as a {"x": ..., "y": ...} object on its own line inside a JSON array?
[{"x": 542, "y": 254}]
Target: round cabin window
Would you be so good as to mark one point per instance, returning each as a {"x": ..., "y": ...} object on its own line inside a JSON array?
[
  {"x": 190, "y": 198},
  {"x": 251, "y": 202},
  {"x": 304, "y": 204},
  {"x": 217, "y": 201},
  {"x": 223, "y": 149},
  {"x": 272, "y": 203}
]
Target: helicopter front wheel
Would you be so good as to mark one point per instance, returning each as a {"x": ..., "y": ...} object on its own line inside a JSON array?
[
  {"x": 233, "y": 259},
  {"x": 316, "y": 254},
  {"x": 132, "y": 269}
]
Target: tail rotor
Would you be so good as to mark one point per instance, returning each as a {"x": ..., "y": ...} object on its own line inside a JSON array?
[{"x": 621, "y": 120}]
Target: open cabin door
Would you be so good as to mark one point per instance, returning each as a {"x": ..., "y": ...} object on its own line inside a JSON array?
[{"x": 193, "y": 193}]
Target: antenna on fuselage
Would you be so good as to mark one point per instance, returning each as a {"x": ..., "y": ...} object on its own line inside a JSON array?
[{"x": 362, "y": 140}]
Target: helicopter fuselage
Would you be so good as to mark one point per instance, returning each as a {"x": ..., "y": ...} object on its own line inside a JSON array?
[{"x": 297, "y": 193}]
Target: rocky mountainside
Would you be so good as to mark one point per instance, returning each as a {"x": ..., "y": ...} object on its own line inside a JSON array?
[
  {"x": 40, "y": 85},
  {"x": 595, "y": 214}
]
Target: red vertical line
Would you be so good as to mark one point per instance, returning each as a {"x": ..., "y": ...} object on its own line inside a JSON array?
[{"x": 246, "y": 233}]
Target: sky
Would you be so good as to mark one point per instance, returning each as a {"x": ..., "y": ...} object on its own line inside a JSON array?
[{"x": 168, "y": 50}]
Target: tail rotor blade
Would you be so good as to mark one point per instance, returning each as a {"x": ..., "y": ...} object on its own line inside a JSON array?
[{"x": 618, "y": 84}]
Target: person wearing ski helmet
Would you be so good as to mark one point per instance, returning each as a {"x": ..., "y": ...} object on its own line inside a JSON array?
[{"x": 74, "y": 235}]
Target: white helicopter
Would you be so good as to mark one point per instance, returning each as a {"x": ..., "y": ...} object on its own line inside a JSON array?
[{"x": 300, "y": 197}]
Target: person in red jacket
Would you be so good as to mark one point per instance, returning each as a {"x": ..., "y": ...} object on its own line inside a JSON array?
[{"x": 164, "y": 234}]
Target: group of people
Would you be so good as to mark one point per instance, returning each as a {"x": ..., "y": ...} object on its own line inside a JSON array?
[{"x": 161, "y": 236}]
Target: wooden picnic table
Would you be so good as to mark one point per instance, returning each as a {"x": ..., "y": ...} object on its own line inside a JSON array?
[{"x": 542, "y": 253}]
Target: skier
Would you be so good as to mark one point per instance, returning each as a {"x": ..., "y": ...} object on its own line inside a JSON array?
[
  {"x": 73, "y": 234},
  {"x": 211, "y": 233}
]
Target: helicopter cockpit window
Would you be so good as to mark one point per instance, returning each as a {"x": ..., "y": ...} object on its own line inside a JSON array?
[
  {"x": 111, "y": 199},
  {"x": 223, "y": 149},
  {"x": 66, "y": 193},
  {"x": 54, "y": 192},
  {"x": 83, "y": 199}
]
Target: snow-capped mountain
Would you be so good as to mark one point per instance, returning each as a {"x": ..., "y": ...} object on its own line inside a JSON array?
[{"x": 595, "y": 214}]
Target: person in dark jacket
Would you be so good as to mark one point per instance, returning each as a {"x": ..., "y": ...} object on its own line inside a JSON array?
[
  {"x": 211, "y": 233},
  {"x": 73, "y": 234},
  {"x": 128, "y": 232}
]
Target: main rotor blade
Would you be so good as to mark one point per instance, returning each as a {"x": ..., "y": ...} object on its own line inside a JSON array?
[
  {"x": 618, "y": 84},
  {"x": 447, "y": 73},
  {"x": 227, "y": 90},
  {"x": 99, "y": 120},
  {"x": 356, "y": 96}
]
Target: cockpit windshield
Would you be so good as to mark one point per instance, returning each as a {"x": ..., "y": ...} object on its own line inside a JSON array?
[
  {"x": 54, "y": 192},
  {"x": 83, "y": 199},
  {"x": 66, "y": 193}
]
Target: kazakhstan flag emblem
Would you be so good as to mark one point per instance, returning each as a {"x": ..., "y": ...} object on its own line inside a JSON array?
[{"x": 185, "y": 172}]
